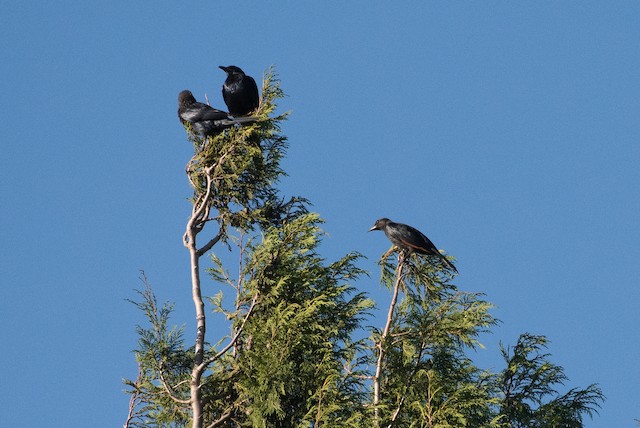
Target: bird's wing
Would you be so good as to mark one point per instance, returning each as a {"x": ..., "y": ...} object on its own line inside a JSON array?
[
  {"x": 226, "y": 95},
  {"x": 251, "y": 84},
  {"x": 423, "y": 245},
  {"x": 255, "y": 95},
  {"x": 431, "y": 249},
  {"x": 214, "y": 114},
  {"x": 415, "y": 239},
  {"x": 199, "y": 112}
]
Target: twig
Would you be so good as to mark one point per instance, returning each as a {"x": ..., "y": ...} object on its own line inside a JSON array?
[
  {"x": 319, "y": 411},
  {"x": 180, "y": 383},
  {"x": 406, "y": 386},
  {"x": 240, "y": 266},
  {"x": 235, "y": 337},
  {"x": 169, "y": 391}
]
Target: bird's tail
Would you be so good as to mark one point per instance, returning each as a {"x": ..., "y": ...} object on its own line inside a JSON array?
[
  {"x": 448, "y": 263},
  {"x": 236, "y": 121},
  {"x": 246, "y": 119}
]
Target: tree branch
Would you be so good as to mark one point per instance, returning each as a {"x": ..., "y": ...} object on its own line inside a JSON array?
[
  {"x": 406, "y": 386},
  {"x": 134, "y": 398},
  {"x": 200, "y": 211},
  {"x": 204, "y": 201},
  {"x": 226, "y": 415},
  {"x": 211, "y": 243},
  {"x": 194, "y": 226},
  {"x": 383, "y": 337},
  {"x": 169, "y": 391},
  {"x": 235, "y": 336}
]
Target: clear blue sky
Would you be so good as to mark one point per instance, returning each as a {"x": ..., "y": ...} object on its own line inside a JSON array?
[{"x": 507, "y": 131}]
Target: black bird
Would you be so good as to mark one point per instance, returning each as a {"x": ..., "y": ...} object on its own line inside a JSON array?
[
  {"x": 205, "y": 120},
  {"x": 239, "y": 91},
  {"x": 409, "y": 239}
]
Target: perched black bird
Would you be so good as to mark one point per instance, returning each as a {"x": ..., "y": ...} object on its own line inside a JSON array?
[
  {"x": 205, "y": 120},
  {"x": 239, "y": 91},
  {"x": 409, "y": 239}
]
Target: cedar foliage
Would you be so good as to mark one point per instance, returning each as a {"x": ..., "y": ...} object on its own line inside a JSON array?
[{"x": 299, "y": 352}]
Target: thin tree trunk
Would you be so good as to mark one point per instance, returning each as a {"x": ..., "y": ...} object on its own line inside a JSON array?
[
  {"x": 383, "y": 338},
  {"x": 194, "y": 226},
  {"x": 196, "y": 395},
  {"x": 133, "y": 402}
]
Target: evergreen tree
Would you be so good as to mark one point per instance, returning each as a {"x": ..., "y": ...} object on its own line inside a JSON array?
[
  {"x": 529, "y": 397},
  {"x": 425, "y": 378},
  {"x": 297, "y": 354},
  {"x": 293, "y": 314}
]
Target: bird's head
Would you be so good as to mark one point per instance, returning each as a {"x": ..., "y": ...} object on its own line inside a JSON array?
[
  {"x": 380, "y": 224},
  {"x": 185, "y": 98},
  {"x": 232, "y": 69}
]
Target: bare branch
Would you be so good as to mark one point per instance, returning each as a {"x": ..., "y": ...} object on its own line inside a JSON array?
[
  {"x": 202, "y": 207},
  {"x": 180, "y": 383},
  {"x": 169, "y": 390},
  {"x": 226, "y": 415},
  {"x": 211, "y": 243},
  {"x": 194, "y": 226},
  {"x": 383, "y": 337},
  {"x": 135, "y": 397},
  {"x": 242, "y": 246}
]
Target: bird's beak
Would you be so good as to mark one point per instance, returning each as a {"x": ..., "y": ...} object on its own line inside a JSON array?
[
  {"x": 373, "y": 228},
  {"x": 222, "y": 67}
]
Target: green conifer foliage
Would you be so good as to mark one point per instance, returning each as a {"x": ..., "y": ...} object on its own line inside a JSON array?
[
  {"x": 297, "y": 349},
  {"x": 528, "y": 386},
  {"x": 426, "y": 379}
]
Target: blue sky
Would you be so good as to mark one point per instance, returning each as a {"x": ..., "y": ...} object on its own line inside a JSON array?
[{"x": 506, "y": 131}]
